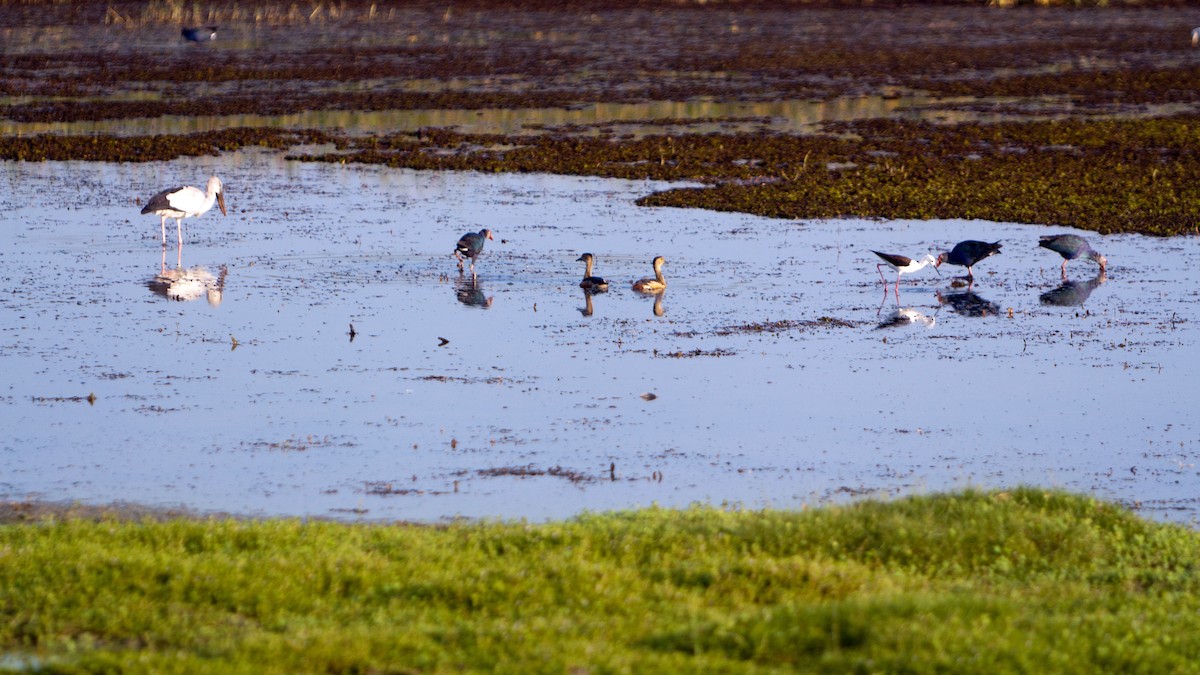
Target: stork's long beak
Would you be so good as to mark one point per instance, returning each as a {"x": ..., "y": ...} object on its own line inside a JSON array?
[{"x": 221, "y": 202}]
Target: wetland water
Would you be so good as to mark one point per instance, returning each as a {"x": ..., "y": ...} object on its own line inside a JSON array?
[{"x": 778, "y": 376}]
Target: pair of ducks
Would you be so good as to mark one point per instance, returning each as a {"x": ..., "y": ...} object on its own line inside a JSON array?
[
  {"x": 471, "y": 245},
  {"x": 594, "y": 284}
]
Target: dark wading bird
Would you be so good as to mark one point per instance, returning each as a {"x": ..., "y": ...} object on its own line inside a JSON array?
[
  {"x": 655, "y": 285},
  {"x": 199, "y": 34},
  {"x": 470, "y": 246},
  {"x": 590, "y": 283},
  {"x": 903, "y": 265},
  {"x": 968, "y": 254},
  {"x": 1070, "y": 247},
  {"x": 185, "y": 202}
]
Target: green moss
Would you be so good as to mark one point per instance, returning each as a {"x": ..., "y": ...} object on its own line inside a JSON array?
[{"x": 968, "y": 582}]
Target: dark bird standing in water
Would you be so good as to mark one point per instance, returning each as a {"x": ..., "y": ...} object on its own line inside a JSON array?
[
  {"x": 968, "y": 254},
  {"x": 470, "y": 246},
  {"x": 1070, "y": 247}
]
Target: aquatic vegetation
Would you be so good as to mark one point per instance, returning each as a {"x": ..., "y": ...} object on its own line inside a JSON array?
[
  {"x": 288, "y": 58},
  {"x": 970, "y": 582},
  {"x": 1103, "y": 175},
  {"x": 107, "y": 148}
]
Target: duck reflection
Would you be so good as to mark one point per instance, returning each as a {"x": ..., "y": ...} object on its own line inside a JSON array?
[
  {"x": 1072, "y": 293},
  {"x": 189, "y": 283},
  {"x": 968, "y": 304},
  {"x": 906, "y": 316},
  {"x": 469, "y": 292},
  {"x": 658, "y": 303},
  {"x": 587, "y": 308}
]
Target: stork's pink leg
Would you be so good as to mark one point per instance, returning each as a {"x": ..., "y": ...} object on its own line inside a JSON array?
[{"x": 879, "y": 268}]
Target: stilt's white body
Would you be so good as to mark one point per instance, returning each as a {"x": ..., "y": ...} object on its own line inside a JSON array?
[{"x": 902, "y": 265}]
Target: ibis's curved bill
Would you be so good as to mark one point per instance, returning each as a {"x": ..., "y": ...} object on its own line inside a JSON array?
[{"x": 183, "y": 202}]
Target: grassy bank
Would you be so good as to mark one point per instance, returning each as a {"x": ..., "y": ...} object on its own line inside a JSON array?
[{"x": 973, "y": 582}]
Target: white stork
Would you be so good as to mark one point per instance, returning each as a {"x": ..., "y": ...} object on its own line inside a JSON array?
[{"x": 182, "y": 202}]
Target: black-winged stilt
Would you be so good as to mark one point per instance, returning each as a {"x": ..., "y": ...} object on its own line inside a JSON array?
[{"x": 903, "y": 265}]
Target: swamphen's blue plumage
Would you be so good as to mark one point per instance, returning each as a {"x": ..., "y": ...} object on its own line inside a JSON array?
[
  {"x": 968, "y": 253},
  {"x": 470, "y": 246},
  {"x": 1070, "y": 247}
]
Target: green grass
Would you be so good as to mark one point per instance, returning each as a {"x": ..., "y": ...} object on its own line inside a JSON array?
[{"x": 1026, "y": 580}]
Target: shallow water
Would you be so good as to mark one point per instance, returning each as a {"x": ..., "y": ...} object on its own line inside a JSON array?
[
  {"x": 778, "y": 374},
  {"x": 633, "y": 119}
]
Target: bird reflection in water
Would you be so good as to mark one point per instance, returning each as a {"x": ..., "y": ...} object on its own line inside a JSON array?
[
  {"x": 658, "y": 303},
  {"x": 587, "y": 308},
  {"x": 968, "y": 304},
  {"x": 469, "y": 292},
  {"x": 1072, "y": 293},
  {"x": 189, "y": 283},
  {"x": 906, "y": 316}
]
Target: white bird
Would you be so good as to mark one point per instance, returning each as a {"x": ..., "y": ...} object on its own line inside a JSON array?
[
  {"x": 182, "y": 202},
  {"x": 903, "y": 265},
  {"x": 1195, "y": 36}
]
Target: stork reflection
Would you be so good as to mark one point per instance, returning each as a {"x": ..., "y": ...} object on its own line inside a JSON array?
[
  {"x": 968, "y": 304},
  {"x": 189, "y": 283},
  {"x": 1072, "y": 293},
  {"x": 470, "y": 293}
]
